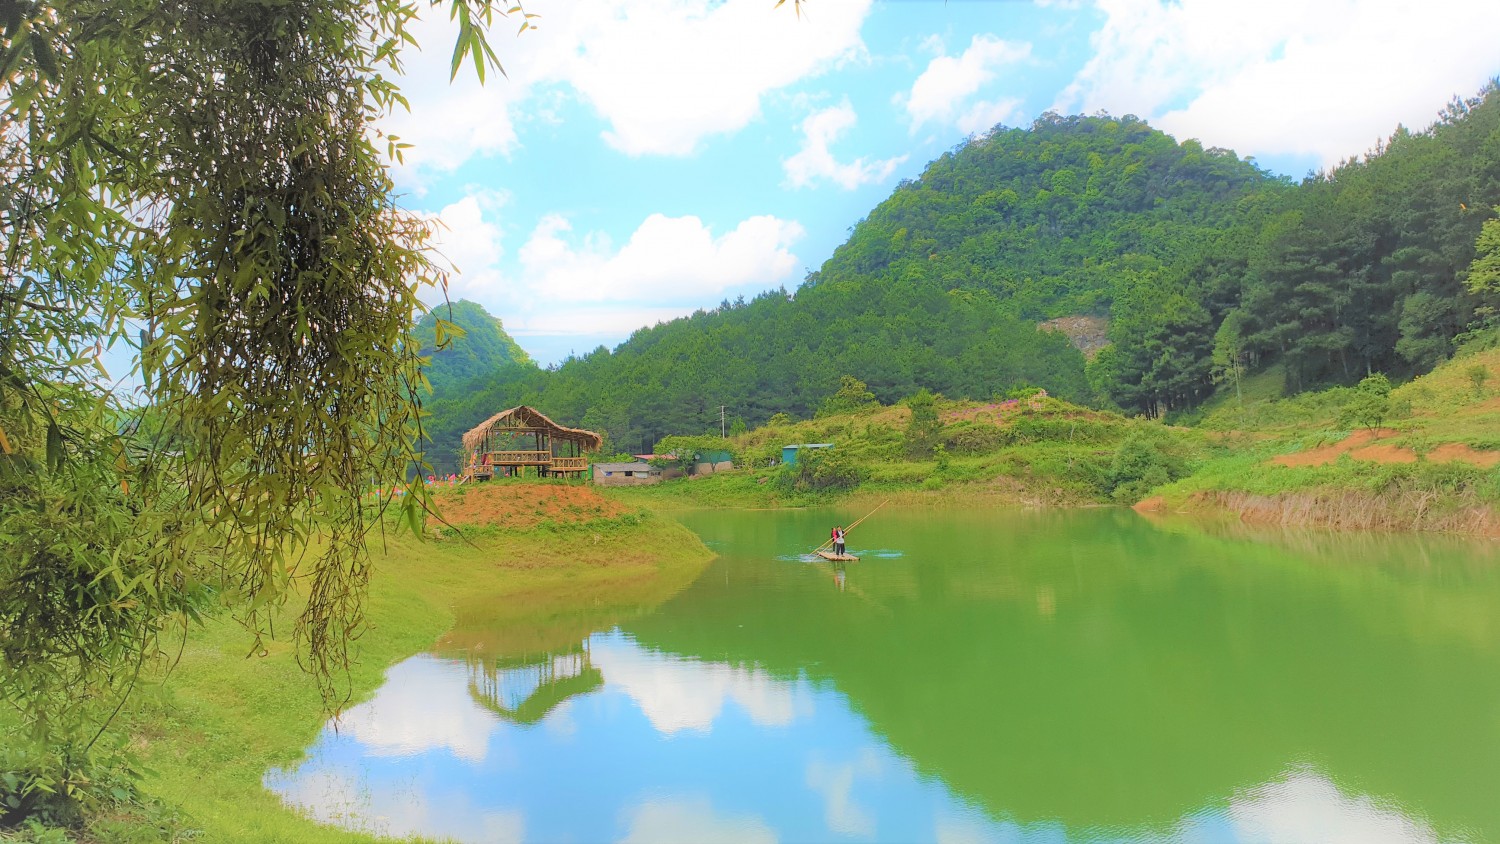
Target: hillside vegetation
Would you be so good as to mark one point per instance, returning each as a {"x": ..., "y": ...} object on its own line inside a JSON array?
[
  {"x": 1424, "y": 455},
  {"x": 477, "y": 349},
  {"x": 1207, "y": 270},
  {"x": 1029, "y": 450}
]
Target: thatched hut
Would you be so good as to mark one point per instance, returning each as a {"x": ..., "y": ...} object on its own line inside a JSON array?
[{"x": 523, "y": 437}]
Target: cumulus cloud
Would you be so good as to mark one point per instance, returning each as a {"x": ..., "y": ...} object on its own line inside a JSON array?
[
  {"x": 944, "y": 90},
  {"x": 423, "y": 705},
  {"x": 468, "y": 243},
  {"x": 1326, "y": 79},
  {"x": 693, "y": 822},
  {"x": 359, "y": 800},
  {"x": 1306, "y": 806},
  {"x": 835, "y": 783},
  {"x": 666, "y": 259},
  {"x": 560, "y": 282},
  {"x": 664, "y": 74},
  {"x": 677, "y": 694},
  {"x": 815, "y": 160},
  {"x": 982, "y": 116}
]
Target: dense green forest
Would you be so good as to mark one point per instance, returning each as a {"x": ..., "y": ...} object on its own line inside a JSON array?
[{"x": 1206, "y": 266}]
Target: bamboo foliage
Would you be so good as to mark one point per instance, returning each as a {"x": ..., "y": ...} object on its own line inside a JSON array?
[{"x": 202, "y": 181}]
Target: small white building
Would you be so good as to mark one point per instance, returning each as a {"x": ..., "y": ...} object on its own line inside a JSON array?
[{"x": 626, "y": 474}]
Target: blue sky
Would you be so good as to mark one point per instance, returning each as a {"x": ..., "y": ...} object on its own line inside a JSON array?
[{"x": 645, "y": 158}]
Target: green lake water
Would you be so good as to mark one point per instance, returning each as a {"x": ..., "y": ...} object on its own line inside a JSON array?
[{"x": 978, "y": 676}]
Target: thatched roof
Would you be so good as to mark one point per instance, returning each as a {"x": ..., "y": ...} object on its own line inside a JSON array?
[{"x": 530, "y": 417}]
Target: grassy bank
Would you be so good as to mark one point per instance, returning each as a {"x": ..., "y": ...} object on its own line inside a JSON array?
[
  {"x": 1428, "y": 460},
  {"x": 1428, "y": 457},
  {"x": 210, "y": 731},
  {"x": 1043, "y": 452}
]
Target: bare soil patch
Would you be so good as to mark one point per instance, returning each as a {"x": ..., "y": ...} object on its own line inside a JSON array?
[
  {"x": 1384, "y": 453},
  {"x": 1461, "y": 452},
  {"x": 1088, "y": 334},
  {"x": 521, "y": 506},
  {"x": 1154, "y": 504},
  {"x": 1358, "y": 445}
]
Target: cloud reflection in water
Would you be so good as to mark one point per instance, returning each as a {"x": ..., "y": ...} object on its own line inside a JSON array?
[{"x": 673, "y": 749}]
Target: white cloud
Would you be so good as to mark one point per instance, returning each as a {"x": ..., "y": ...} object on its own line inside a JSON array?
[
  {"x": 982, "y": 116},
  {"x": 666, "y": 259},
  {"x": 561, "y": 283},
  {"x": 358, "y": 800},
  {"x": 1306, "y": 806},
  {"x": 468, "y": 243},
  {"x": 664, "y": 74},
  {"x": 677, "y": 694},
  {"x": 942, "y": 90},
  {"x": 835, "y": 782},
  {"x": 423, "y": 705},
  {"x": 1327, "y": 79},
  {"x": 693, "y": 822},
  {"x": 451, "y": 122},
  {"x": 667, "y": 73},
  {"x": 815, "y": 160}
]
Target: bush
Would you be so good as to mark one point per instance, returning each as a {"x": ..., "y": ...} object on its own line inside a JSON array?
[
  {"x": 970, "y": 437},
  {"x": 1144, "y": 461},
  {"x": 853, "y": 394},
  {"x": 1370, "y": 404},
  {"x": 822, "y": 469},
  {"x": 923, "y": 428}
]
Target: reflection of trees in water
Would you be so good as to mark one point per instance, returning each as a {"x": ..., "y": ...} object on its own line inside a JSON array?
[
  {"x": 524, "y": 689},
  {"x": 1097, "y": 670}
]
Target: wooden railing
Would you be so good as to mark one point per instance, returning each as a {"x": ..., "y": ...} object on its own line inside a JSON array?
[
  {"x": 570, "y": 464},
  {"x": 520, "y": 458}
]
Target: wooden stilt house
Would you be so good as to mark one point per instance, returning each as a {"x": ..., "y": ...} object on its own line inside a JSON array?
[{"x": 512, "y": 441}]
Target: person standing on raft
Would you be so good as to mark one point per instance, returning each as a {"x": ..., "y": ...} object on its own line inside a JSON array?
[{"x": 838, "y": 541}]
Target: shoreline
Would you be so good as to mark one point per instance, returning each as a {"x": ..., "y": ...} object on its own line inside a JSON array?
[{"x": 210, "y": 731}]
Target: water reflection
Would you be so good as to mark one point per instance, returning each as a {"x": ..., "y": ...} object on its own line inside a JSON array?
[
  {"x": 666, "y": 749},
  {"x": 523, "y": 690},
  {"x": 1039, "y": 678}
]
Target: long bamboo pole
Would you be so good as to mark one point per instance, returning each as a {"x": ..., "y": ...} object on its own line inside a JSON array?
[{"x": 829, "y": 541}]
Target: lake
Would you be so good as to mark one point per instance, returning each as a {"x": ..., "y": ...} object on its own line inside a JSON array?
[{"x": 980, "y": 675}]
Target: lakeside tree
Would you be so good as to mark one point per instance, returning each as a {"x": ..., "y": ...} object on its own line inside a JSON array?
[
  {"x": 1371, "y": 402},
  {"x": 203, "y": 182},
  {"x": 924, "y": 427}
]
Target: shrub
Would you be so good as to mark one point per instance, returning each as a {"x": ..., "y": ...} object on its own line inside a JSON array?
[
  {"x": 823, "y": 469},
  {"x": 853, "y": 394},
  {"x": 974, "y": 437},
  {"x": 1370, "y": 404},
  {"x": 1478, "y": 374},
  {"x": 923, "y": 428},
  {"x": 1144, "y": 461}
]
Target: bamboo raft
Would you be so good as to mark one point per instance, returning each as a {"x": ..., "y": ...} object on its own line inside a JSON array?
[{"x": 838, "y": 558}]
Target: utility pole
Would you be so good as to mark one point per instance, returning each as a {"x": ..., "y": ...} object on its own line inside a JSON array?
[{"x": 723, "y": 431}]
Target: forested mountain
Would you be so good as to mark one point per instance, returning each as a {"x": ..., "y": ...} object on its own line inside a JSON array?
[
  {"x": 1359, "y": 269},
  {"x": 483, "y": 349},
  {"x": 1194, "y": 254},
  {"x": 1042, "y": 216}
]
